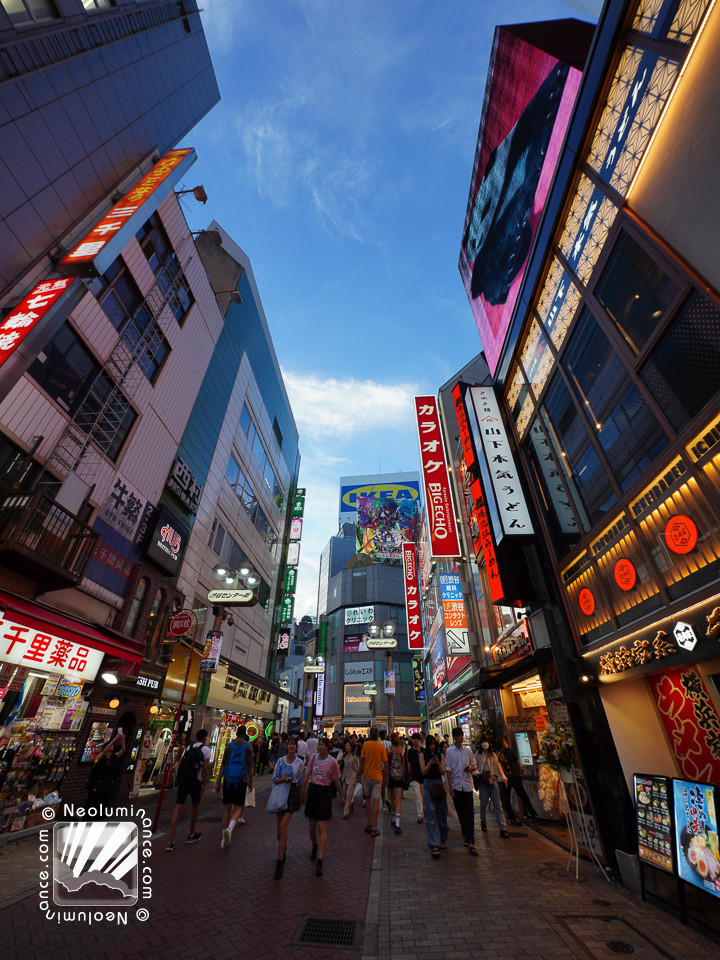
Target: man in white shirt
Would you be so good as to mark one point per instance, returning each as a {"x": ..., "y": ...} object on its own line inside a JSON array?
[
  {"x": 302, "y": 749},
  {"x": 312, "y": 745},
  {"x": 460, "y": 765}
]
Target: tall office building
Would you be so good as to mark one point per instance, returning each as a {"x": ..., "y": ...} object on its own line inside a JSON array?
[{"x": 89, "y": 90}]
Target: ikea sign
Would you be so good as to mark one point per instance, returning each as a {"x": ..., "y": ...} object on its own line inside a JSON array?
[{"x": 400, "y": 492}]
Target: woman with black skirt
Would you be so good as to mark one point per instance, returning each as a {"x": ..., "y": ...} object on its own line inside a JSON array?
[{"x": 317, "y": 795}]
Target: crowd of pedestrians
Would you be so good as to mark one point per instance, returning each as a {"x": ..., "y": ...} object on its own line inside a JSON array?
[{"x": 312, "y": 772}]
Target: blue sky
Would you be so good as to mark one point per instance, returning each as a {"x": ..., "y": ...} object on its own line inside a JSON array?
[{"x": 339, "y": 159}]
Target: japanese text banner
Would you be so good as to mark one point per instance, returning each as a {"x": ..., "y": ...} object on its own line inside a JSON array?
[
  {"x": 444, "y": 541},
  {"x": 412, "y": 597}
]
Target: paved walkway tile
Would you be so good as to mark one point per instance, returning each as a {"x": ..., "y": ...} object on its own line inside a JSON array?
[{"x": 516, "y": 900}]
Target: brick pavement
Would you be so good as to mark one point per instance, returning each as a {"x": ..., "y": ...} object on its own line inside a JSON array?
[{"x": 515, "y": 900}]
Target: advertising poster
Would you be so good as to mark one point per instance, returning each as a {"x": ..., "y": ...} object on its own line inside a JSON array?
[
  {"x": 521, "y": 133},
  {"x": 403, "y": 488},
  {"x": 654, "y": 827},
  {"x": 354, "y": 643},
  {"x": 437, "y": 662},
  {"x": 696, "y": 835},
  {"x": 418, "y": 679},
  {"x": 384, "y": 524}
]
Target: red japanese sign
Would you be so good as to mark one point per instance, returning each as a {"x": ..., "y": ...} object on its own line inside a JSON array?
[
  {"x": 444, "y": 541},
  {"x": 27, "y": 646},
  {"x": 101, "y": 234},
  {"x": 27, "y": 314},
  {"x": 681, "y": 534},
  {"x": 625, "y": 574},
  {"x": 691, "y": 722},
  {"x": 497, "y": 592},
  {"x": 586, "y": 601},
  {"x": 465, "y": 438},
  {"x": 412, "y": 597}
]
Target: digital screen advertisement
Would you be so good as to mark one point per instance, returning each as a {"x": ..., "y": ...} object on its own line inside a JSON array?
[
  {"x": 653, "y": 810},
  {"x": 384, "y": 524},
  {"x": 528, "y": 102},
  {"x": 696, "y": 835}
]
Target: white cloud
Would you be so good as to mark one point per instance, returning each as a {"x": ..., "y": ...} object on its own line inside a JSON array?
[{"x": 326, "y": 407}]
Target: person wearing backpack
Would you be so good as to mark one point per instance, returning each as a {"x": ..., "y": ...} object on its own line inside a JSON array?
[
  {"x": 236, "y": 776},
  {"x": 192, "y": 774}
]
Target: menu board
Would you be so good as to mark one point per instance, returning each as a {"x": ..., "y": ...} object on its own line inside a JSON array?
[
  {"x": 654, "y": 824},
  {"x": 696, "y": 835}
]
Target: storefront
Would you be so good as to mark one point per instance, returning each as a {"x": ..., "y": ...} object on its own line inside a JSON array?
[
  {"x": 53, "y": 717},
  {"x": 660, "y": 688}
]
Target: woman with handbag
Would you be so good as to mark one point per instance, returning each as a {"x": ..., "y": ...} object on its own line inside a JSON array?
[
  {"x": 317, "y": 795},
  {"x": 432, "y": 767},
  {"x": 489, "y": 774},
  {"x": 396, "y": 779},
  {"x": 284, "y": 797}
]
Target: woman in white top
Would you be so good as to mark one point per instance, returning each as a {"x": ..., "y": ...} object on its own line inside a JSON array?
[
  {"x": 289, "y": 769},
  {"x": 489, "y": 774}
]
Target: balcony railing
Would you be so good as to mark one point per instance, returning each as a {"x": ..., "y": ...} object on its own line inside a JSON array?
[{"x": 43, "y": 541}]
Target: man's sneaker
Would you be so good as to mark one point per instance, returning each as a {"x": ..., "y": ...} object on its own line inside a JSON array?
[
  {"x": 194, "y": 837},
  {"x": 226, "y": 838},
  {"x": 170, "y": 847},
  {"x": 241, "y": 820}
]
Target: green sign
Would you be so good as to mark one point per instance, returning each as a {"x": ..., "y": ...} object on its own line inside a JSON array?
[
  {"x": 300, "y": 492},
  {"x": 269, "y": 729},
  {"x": 290, "y": 580},
  {"x": 202, "y": 694},
  {"x": 298, "y": 506},
  {"x": 322, "y": 641},
  {"x": 422, "y": 711},
  {"x": 286, "y": 610}
]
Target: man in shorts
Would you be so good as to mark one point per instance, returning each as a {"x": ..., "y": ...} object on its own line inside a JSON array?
[
  {"x": 236, "y": 777},
  {"x": 191, "y": 786},
  {"x": 373, "y": 764}
]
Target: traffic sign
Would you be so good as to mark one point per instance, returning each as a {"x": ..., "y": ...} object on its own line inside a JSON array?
[{"x": 180, "y": 623}]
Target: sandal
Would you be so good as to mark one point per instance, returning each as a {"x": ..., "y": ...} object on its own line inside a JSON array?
[
  {"x": 443, "y": 846},
  {"x": 374, "y": 833},
  {"x": 435, "y": 853},
  {"x": 473, "y": 851}
]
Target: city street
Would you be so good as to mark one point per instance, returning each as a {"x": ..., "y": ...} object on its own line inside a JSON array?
[{"x": 515, "y": 900}]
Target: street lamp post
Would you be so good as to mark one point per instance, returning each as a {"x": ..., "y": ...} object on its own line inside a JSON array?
[
  {"x": 237, "y": 592},
  {"x": 382, "y": 636}
]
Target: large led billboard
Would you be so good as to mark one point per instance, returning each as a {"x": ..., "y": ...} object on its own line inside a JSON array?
[
  {"x": 384, "y": 525},
  {"x": 529, "y": 97},
  {"x": 403, "y": 488}
]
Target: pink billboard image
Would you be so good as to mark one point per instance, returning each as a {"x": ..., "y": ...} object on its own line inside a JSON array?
[{"x": 529, "y": 98}]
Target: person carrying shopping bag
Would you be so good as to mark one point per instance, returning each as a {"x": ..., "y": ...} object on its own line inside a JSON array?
[{"x": 284, "y": 797}]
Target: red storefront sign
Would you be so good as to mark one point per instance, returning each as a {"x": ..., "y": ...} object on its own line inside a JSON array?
[
  {"x": 412, "y": 597},
  {"x": 444, "y": 541},
  {"x": 28, "y": 313},
  {"x": 101, "y": 234},
  {"x": 465, "y": 439},
  {"x": 691, "y": 722},
  {"x": 486, "y": 542}
]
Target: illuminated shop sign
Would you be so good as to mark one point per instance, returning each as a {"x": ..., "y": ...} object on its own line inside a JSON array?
[
  {"x": 293, "y": 554},
  {"x": 444, "y": 541},
  {"x": 28, "y": 647},
  {"x": 512, "y": 511},
  {"x": 457, "y": 638},
  {"x": 486, "y": 543},
  {"x": 168, "y": 541},
  {"x": 412, "y": 597},
  {"x": 653, "y": 813},
  {"x": 28, "y": 313},
  {"x": 184, "y": 486},
  {"x": 354, "y": 615},
  {"x": 296, "y": 529},
  {"x": 101, "y": 245}
]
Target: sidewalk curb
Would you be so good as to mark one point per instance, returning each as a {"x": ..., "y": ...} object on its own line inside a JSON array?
[{"x": 372, "y": 913}]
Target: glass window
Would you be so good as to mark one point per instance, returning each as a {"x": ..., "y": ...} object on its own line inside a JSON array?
[
  {"x": 635, "y": 291},
  {"x": 261, "y": 522},
  {"x": 97, "y": 4},
  {"x": 154, "y": 243},
  {"x": 28, "y": 11},
  {"x": 245, "y": 420},
  {"x": 233, "y": 472},
  {"x": 121, "y": 297},
  {"x": 629, "y": 433},
  {"x": 219, "y": 537},
  {"x": 213, "y": 531},
  {"x": 65, "y": 369},
  {"x": 155, "y": 616},
  {"x": 259, "y": 451},
  {"x": 269, "y": 476},
  {"x": 683, "y": 372},
  {"x": 105, "y": 414},
  {"x": 236, "y": 556},
  {"x": 571, "y": 440},
  {"x": 135, "y": 606}
]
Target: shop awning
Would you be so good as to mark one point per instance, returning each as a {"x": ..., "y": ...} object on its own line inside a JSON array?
[
  {"x": 499, "y": 675},
  {"x": 45, "y": 619},
  {"x": 248, "y": 676}
]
